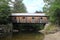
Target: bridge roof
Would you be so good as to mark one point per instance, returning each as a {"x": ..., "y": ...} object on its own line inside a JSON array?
[{"x": 28, "y": 14}]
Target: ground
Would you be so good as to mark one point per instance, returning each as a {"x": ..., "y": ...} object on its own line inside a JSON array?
[
  {"x": 51, "y": 35},
  {"x": 55, "y": 36}
]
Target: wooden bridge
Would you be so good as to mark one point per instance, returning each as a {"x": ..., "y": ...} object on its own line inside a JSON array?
[
  {"x": 29, "y": 18},
  {"x": 28, "y": 21}
]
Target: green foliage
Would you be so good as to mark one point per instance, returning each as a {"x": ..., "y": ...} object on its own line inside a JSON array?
[
  {"x": 38, "y": 12},
  {"x": 19, "y": 7},
  {"x": 27, "y": 26},
  {"x": 53, "y": 10},
  {"x": 51, "y": 27},
  {"x": 4, "y": 12}
]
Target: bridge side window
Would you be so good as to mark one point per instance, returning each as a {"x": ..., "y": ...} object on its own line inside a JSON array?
[
  {"x": 33, "y": 20},
  {"x": 32, "y": 17},
  {"x": 41, "y": 18},
  {"x": 41, "y": 21},
  {"x": 13, "y": 18},
  {"x": 23, "y": 17}
]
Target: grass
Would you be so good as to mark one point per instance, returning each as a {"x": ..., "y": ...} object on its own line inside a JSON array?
[{"x": 51, "y": 28}]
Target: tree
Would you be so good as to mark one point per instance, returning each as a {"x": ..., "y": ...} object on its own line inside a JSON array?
[
  {"x": 53, "y": 10},
  {"x": 38, "y": 12},
  {"x": 4, "y": 12},
  {"x": 19, "y": 7}
]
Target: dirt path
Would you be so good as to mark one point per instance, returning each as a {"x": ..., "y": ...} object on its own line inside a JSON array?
[{"x": 55, "y": 36}]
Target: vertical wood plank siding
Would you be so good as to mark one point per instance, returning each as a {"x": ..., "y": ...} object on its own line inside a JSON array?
[{"x": 29, "y": 19}]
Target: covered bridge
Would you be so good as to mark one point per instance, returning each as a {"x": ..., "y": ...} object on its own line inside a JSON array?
[
  {"x": 29, "y": 21},
  {"x": 29, "y": 18}
]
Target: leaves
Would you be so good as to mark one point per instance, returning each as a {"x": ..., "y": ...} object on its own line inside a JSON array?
[
  {"x": 19, "y": 7},
  {"x": 4, "y": 11},
  {"x": 53, "y": 10}
]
